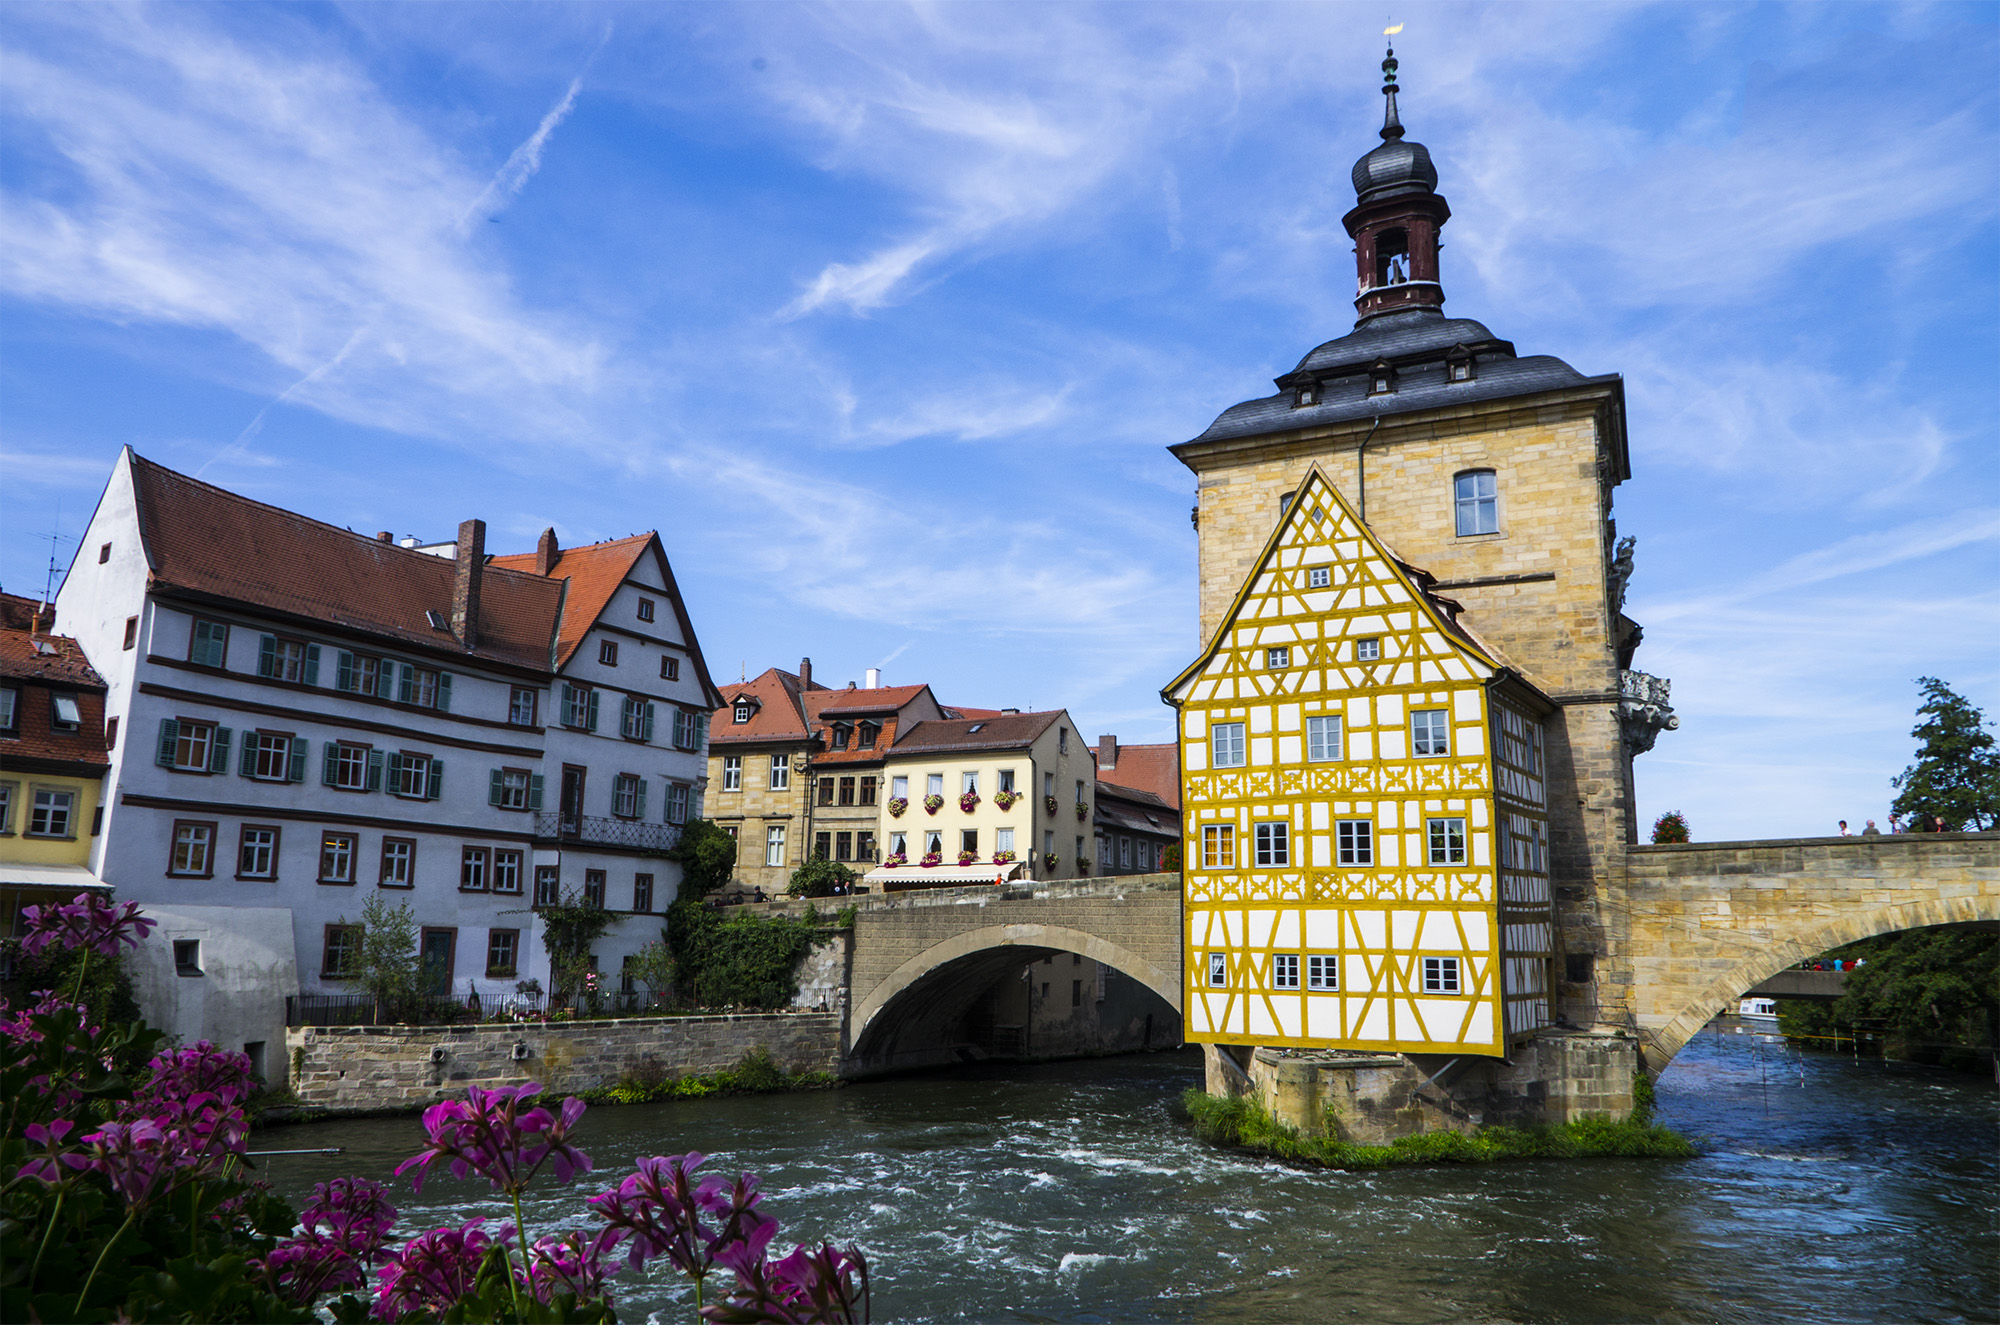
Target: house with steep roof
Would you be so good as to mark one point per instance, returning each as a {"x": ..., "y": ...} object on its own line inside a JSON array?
[{"x": 313, "y": 716}]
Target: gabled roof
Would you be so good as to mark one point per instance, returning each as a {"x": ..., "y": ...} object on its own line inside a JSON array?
[
  {"x": 1154, "y": 769},
  {"x": 215, "y": 545},
  {"x": 1008, "y": 731},
  {"x": 835, "y": 704},
  {"x": 778, "y": 713},
  {"x": 1137, "y": 811},
  {"x": 594, "y": 573},
  {"x": 30, "y": 655},
  {"x": 1316, "y": 489}
]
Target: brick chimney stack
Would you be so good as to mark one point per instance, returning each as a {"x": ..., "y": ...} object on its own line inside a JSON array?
[
  {"x": 1107, "y": 752},
  {"x": 805, "y": 673},
  {"x": 471, "y": 566},
  {"x": 546, "y": 552},
  {"x": 385, "y": 537}
]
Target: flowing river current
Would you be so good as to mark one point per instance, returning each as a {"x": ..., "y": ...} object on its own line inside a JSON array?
[{"x": 1827, "y": 1190}]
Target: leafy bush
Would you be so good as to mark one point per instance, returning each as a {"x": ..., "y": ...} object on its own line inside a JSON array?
[
  {"x": 820, "y": 877},
  {"x": 743, "y": 961},
  {"x": 707, "y": 857},
  {"x": 1670, "y": 827}
]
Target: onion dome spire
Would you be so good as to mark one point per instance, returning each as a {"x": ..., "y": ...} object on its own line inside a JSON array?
[
  {"x": 1392, "y": 127},
  {"x": 1398, "y": 215}
]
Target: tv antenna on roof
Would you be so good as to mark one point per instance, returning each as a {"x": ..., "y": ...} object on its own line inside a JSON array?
[{"x": 56, "y": 540}]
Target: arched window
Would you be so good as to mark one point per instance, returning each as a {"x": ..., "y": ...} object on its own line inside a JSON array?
[
  {"x": 1477, "y": 499},
  {"x": 1392, "y": 257}
]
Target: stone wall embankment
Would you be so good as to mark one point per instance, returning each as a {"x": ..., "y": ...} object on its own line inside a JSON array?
[{"x": 364, "y": 1068}]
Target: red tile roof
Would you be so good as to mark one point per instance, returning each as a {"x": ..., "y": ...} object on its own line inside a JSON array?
[
  {"x": 29, "y": 655},
  {"x": 594, "y": 572},
  {"x": 208, "y": 543},
  {"x": 1004, "y": 732},
  {"x": 777, "y": 716},
  {"x": 860, "y": 701},
  {"x": 41, "y": 666},
  {"x": 1150, "y": 768}
]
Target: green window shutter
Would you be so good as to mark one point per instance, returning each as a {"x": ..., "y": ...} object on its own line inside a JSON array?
[
  {"x": 639, "y": 807},
  {"x": 444, "y": 692},
  {"x": 436, "y": 787},
  {"x": 385, "y": 679},
  {"x": 327, "y": 772},
  {"x": 374, "y": 770},
  {"x": 218, "y": 753},
  {"x": 267, "y": 655},
  {"x": 395, "y": 770},
  {"x": 496, "y": 787},
  {"x": 648, "y": 731},
  {"x": 343, "y": 677},
  {"x": 299, "y": 747},
  {"x": 246, "y": 758},
  {"x": 590, "y": 718},
  {"x": 312, "y": 665},
  {"x": 170, "y": 739},
  {"x": 408, "y": 685},
  {"x": 535, "y": 792},
  {"x": 568, "y": 705}
]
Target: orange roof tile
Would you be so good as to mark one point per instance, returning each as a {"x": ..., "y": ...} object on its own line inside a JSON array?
[
  {"x": 1150, "y": 768},
  {"x": 594, "y": 572},
  {"x": 49, "y": 665},
  {"x": 776, "y": 714}
]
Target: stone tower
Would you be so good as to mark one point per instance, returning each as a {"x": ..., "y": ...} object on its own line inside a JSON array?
[{"x": 1493, "y": 472}]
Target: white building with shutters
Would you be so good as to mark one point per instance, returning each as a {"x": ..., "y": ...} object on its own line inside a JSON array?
[{"x": 302, "y": 717}]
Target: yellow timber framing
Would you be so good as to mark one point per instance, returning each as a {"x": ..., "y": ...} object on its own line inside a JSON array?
[{"x": 1380, "y": 919}]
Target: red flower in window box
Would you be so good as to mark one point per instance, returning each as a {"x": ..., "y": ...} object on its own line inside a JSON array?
[
  {"x": 967, "y": 857},
  {"x": 894, "y": 859},
  {"x": 1005, "y": 799},
  {"x": 931, "y": 858},
  {"x": 897, "y": 804},
  {"x": 1050, "y": 802},
  {"x": 932, "y": 804},
  {"x": 1003, "y": 858},
  {"x": 1082, "y": 810},
  {"x": 969, "y": 801}
]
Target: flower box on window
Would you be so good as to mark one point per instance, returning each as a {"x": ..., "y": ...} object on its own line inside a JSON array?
[
  {"x": 969, "y": 801},
  {"x": 1003, "y": 858},
  {"x": 1082, "y": 867},
  {"x": 1050, "y": 860},
  {"x": 968, "y": 857},
  {"x": 894, "y": 859},
  {"x": 1082, "y": 810},
  {"x": 932, "y": 858},
  {"x": 897, "y": 804},
  {"x": 1050, "y": 802},
  {"x": 1005, "y": 799},
  {"x": 932, "y": 804}
]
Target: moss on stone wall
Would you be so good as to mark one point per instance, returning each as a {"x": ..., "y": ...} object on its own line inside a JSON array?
[
  {"x": 1246, "y": 1124},
  {"x": 755, "y": 1074}
]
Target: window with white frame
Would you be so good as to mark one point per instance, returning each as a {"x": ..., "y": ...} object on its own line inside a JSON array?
[
  {"x": 744, "y": 710},
  {"x": 66, "y": 715},
  {"x": 547, "y": 885},
  {"x": 347, "y": 766},
  {"x": 336, "y": 857},
  {"x": 635, "y": 721},
  {"x": 1104, "y": 852},
  {"x": 1322, "y": 972},
  {"x": 1003, "y": 841},
  {"x": 687, "y": 729},
  {"x": 646, "y": 614},
  {"x": 670, "y": 669},
  {"x": 1274, "y": 843},
  {"x": 1430, "y": 732},
  {"x": 1225, "y": 743},
  {"x": 472, "y": 870},
  {"x": 258, "y": 855},
  {"x": 933, "y": 842},
  {"x": 1446, "y": 839},
  {"x": 10, "y": 708},
  {"x": 934, "y": 784},
  {"x": 1323, "y": 738},
  {"x": 288, "y": 660},
  {"x": 415, "y": 776},
  {"x": 1278, "y": 657},
  {"x": 1354, "y": 842},
  {"x": 1285, "y": 970},
  {"x": 781, "y": 773},
  {"x": 1441, "y": 975},
  {"x": 677, "y": 802},
  {"x": 1319, "y": 577},
  {"x": 399, "y": 862},
  {"x": 52, "y": 813},
  {"x": 1218, "y": 846},
  {"x": 899, "y": 844},
  {"x": 268, "y": 756},
  {"x": 607, "y": 652},
  {"x": 1218, "y": 969},
  {"x": 642, "y": 893},
  {"x": 194, "y": 847},
  {"x": 506, "y": 871},
  {"x": 1369, "y": 649},
  {"x": 7, "y": 806},
  {"x": 899, "y": 788},
  {"x": 628, "y": 796},
  {"x": 968, "y": 782},
  {"x": 425, "y": 687},
  {"x": 774, "y": 845},
  {"x": 194, "y": 747},
  {"x": 511, "y": 788},
  {"x": 1476, "y": 499},
  {"x": 579, "y": 708},
  {"x": 521, "y": 706},
  {"x": 732, "y": 772},
  {"x": 1124, "y": 853},
  {"x": 1007, "y": 780}
]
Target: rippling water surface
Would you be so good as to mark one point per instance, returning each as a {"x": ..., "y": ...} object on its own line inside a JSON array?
[{"x": 1074, "y": 1192}]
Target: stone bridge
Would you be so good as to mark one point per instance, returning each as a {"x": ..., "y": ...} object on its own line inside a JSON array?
[{"x": 1696, "y": 925}]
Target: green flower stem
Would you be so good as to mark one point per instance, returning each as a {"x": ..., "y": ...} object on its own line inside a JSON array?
[
  {"x": 521, "y": 1232},
  {"x": 82, "y": 968},
  {"x": 55, "y": 1217},
  {"x": 84, "y": 1297}
]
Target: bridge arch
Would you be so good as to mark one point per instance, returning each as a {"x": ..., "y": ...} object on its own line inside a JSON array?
[
  {"x": 939, "y": 982},
  {"x": 1795, "y": 944}
]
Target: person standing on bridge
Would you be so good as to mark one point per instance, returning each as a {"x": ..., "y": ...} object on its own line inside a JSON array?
[
  {"x": 1843, "y": 829},
  {"x": 1871, "y": 830}
]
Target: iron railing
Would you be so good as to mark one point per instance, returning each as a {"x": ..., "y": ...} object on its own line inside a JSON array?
[{"x": 590, "y": 830}]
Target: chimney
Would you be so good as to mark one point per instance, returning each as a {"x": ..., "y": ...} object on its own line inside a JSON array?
[
  {"x": 546, "y": 552},
  {"x": 1007, "y": 711},
  {"x": 1107, "y": 752},
  {"x": 471, "y": 564},
  {"x": 874, "y": 678},
  {"x": 385, "y": 537},
  {"x": 44, "y": 622},
  {"x": 805, "y": 673}
]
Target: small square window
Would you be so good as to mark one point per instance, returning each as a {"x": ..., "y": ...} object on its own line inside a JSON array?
[
  {"x": 1367, "y": 650},
  {"x": 1322, "y": 972},
  {"x": 1441, "y": 975},
  {"x": 645, "y": 609},
  {"x": 1285, "y": 970},
  {"x": 187, "y": 952},
  {"x": 1218, "y": 969},
  {"x": 1274, "y": 846},
  {"x": 1319, "y": 577},
  {"x": 104, "y": 554},
  {"x": 131, "y": 632},
  {"x": 1278, "y": 657},
  {"x": 670, "y": 669},
  {"x": 1446, "y": 839},
  {"x": 607, "y": 652}
]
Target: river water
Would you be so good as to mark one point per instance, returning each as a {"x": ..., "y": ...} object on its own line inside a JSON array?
[{"x": 1827, "y": 1190}]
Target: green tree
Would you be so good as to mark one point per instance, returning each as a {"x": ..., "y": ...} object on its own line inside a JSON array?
[
  {"x": 707, "y": 857},
  {"x": 1670, "y": 827},
  {"x": 388, "y": 966},
  {"x": 1956, "y": 778},
  {"x": 570, "y": 929},
  {"x": 1932, "y": 989},
  {"x": 820, "y": 877},
  {"x": 653, "y": 966}
]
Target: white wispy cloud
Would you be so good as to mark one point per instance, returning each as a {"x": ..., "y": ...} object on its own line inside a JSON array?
[{"x": 522, "y": 162}]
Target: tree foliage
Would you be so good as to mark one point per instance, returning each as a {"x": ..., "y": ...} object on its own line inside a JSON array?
[
  {"x": 1956, "y": 779},
  {"x": 744, "y": 961},
  {"x": 570, "y": 929},
  {"x": 707, "y": 857},
  {"x": 1670, "y": 827},
  {"x": 1932, "y": 989},
  {"x": 820, "y": 877},
  {"x": 388, "y": 965}
]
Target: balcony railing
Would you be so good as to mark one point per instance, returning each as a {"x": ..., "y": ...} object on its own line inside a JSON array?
[{"x": 589, "y": 830}]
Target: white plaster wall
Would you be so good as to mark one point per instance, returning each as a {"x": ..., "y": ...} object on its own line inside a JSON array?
[{"x": 248, "y": 968}]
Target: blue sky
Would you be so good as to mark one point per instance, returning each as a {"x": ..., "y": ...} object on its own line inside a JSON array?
[{"x": 884, "y": 315}]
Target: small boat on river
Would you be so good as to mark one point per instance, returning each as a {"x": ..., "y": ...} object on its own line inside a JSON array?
[{"x": 1758, "y": 1009}]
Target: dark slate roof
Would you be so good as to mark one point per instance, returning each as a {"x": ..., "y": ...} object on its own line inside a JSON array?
[{"x": 1416, "y": 344}]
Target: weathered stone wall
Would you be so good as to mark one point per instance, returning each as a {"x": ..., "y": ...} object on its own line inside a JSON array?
[
  {"x": 392, "y": 1067},
  {"x": 1705, "y": 922}
]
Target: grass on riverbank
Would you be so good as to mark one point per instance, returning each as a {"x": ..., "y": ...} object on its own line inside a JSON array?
[
  {"x": 1244, "y": 1123},
  {"x": 754, "y": 1074}
]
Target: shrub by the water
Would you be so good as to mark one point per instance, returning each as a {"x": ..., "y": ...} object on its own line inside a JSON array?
[
  {"x": 1245, "y": 1123},
  {"x": 754, "y": 1074}
]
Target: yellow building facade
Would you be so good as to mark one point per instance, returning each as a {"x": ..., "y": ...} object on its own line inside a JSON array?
[{"x": 1364, "y": 809}]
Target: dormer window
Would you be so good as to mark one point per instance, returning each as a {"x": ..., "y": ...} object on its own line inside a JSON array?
[
  {"x": 1381, "y": 378},
  {"x": 436, "y": 618},
  {"x": 1459, "y": 365},
  {"x": 1308, "y": 394},
  {"x": 744, "y": 709},
  {"x": 868, "y": 731},
  {"x": 841, "y": 733}
]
